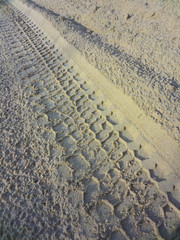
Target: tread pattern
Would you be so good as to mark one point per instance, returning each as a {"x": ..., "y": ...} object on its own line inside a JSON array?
[{"x": 97, "y": 155}]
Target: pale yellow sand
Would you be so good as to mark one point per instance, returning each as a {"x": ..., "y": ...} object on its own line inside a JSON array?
[
  {"x": 133, "y": 43},
  {"x": 73, "y": 166}
]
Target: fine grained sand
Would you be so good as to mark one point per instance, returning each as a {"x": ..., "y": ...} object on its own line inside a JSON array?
[
  {"x": 69, "y": 168},
  {"x": 133, "y": 43}
]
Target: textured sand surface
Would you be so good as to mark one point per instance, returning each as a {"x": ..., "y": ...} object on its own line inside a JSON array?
[
  {"x": 133, "y": 43},
  {"x": 70, "y": 169}
]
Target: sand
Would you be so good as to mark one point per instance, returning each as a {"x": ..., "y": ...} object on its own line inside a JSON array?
[
  {"x": 73, "y": 166},
  {"x": 135, "y": 44}
]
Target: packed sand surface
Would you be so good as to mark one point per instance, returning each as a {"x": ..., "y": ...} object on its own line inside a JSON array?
[
  {"x": 135, "y": 44},
  {"x": 71, "y": 165}
]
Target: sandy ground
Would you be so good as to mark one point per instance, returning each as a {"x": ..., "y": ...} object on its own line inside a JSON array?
[
  {"x": 69, "y": 168},
  {"x": 135, "y": 44}
]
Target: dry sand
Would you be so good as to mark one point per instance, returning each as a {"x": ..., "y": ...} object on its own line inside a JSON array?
[
  {"x": 135, "y": 44},
  {"x": 72, "y": 165}
]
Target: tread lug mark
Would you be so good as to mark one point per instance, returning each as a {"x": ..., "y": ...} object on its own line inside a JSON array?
[
  {"x": 173, "y": 200},
  {"x": 65, "y": 172},
  {"x": 103, "y": 212},
  {"x": 79, "y": 164},
  {"x": 117, "y": 235},
  {"x": 92, "y": 190},
  {"x": 69, "y": 144},
  {"x": 158, "y": 179}
]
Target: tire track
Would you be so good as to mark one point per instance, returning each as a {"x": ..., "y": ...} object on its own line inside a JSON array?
[{"x": 97, "y": 154}]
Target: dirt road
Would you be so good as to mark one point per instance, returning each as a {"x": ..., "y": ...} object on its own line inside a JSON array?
[{"x": 70, "y": 169}]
